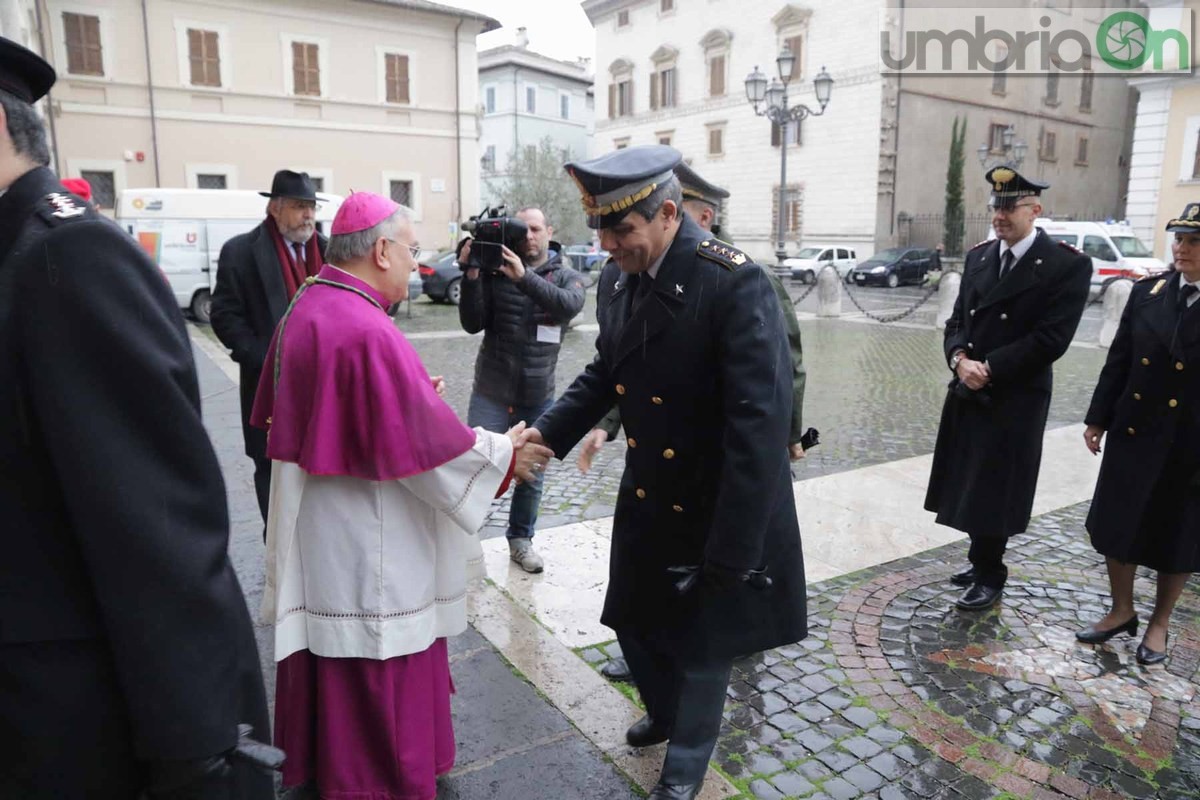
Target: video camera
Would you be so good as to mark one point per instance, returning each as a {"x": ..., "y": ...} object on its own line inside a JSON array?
[{"x": 491, "y": 229}]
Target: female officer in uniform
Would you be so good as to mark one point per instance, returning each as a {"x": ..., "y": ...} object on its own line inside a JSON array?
[{"x": 1146, "y": 509}]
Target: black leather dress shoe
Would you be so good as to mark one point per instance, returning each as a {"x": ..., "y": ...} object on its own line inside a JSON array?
[
  {"x": 978, "y": 597},
  {"x": 676, "y": 791},
  {"x": 1147, "y": 657},
  {"x": 1094, "y": 636},
  {"x": 645, "y": 733},
  {"x": 617, "y": 670},
  {"x": 964, "y": 578}
]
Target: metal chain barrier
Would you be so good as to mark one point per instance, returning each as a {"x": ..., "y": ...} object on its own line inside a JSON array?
[{"x": 883, "y": 318}]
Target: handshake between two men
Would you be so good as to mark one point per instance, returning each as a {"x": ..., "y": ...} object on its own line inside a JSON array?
[{"x": 530, "y": 454}]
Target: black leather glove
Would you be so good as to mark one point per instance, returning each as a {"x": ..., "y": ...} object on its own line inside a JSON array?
[
  {"x": 722, "y": 577},
  {"x": 212, "y": 777}
]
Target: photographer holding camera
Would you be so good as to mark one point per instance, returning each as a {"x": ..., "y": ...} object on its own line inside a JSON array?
[{"x": 523, "y": 305}]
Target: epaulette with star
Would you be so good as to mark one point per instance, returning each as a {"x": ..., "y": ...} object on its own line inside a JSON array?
[
  {"x": 1070, "y": 247},
  {"x": 58, "y": 207},
  {"x": 980, "y": 244},
  {"x": 722, "y": 253}
]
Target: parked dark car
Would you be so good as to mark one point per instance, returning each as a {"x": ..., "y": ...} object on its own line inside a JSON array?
[
  {"x": 441, "y": 278},
  {"x": 895, "y": 266},
  {"x": 584, "y": 257}
]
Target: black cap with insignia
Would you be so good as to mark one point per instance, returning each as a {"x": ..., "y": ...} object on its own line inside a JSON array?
[
  {"x": 23, "y": 73},
  {"x": 696, "y": 188},
  {"x": 1009, "y": 186},
  {"x": 613, "y": 183},
  {"x": 1187, "y": 222}
]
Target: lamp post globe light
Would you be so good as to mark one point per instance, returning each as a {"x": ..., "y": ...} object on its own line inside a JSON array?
[
  {"x": 771, "y": 101},
  {"x": 1013, "y": 152}
]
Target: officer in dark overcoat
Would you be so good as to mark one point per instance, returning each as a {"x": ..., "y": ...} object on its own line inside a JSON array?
[
  {"x": 706, "y": 563},
  {"x": 1146, "y": 509},
  {"x": 127, "y": 656},
  {"x": 1018, "y": 306},
  {"x": 702, "y": 202}
]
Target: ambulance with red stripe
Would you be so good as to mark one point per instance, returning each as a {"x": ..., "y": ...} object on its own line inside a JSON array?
[{"x": 1114, "y": 248}]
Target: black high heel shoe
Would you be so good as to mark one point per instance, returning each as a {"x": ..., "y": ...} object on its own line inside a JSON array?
[
  {"x": 1147, "y": 657},
  {"x": 1093, "y": 636}
]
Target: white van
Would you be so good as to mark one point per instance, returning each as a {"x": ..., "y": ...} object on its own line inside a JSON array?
[
  {"x": 808, "y": 263},
  {"x": 1114, "y": 248},
  {"x": 183, "y": 231}
]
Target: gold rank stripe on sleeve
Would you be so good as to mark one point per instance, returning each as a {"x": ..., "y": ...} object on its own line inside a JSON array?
[{"x": 722, "y": 253}]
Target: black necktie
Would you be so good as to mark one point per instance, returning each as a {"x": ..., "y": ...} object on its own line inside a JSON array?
[
  {"x": 645, "y": 288},
  {"x": 1184, "y": 293},
  {"x": 1006, "y": 262}
]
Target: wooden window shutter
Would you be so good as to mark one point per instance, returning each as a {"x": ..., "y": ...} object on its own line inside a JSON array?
[
  {"x": 796, "y": 45},
  {"x": 776, "y": 134},
  {"x": 716, "y": 84},
  {"x": 612, "y": 101},
  {"x": 654, "y": 81},
  {"x": 396, "y": 67},
  {"x": 84, "y": 52},
  {"x": 306, "y": 69},
  {"x": 196, "y": 55}
]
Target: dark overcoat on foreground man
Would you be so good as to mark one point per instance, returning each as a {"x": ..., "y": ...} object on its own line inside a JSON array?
[
  {"x": 702, "y": 374},
  {"x": 1148, "y": 400},
  {"x": 124, "y": 637},
  {"x": 989, "y": 444}
]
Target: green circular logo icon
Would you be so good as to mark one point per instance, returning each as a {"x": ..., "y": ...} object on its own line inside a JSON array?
[{"x": 1122, "y": 40}]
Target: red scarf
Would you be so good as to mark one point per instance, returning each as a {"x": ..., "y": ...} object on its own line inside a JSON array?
[{"x": 294, "y": 273}]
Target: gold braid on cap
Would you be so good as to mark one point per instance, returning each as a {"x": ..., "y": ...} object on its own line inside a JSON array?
[
  {"x": 617, "y": 205},
  {"x": 1180, "y": 223}
]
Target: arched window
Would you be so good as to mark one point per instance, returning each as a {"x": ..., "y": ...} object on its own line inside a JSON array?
[
  {"x": 716, "y": 59},
  {"x": 620, "y": 88},
  {"x": 664, "y": 78}
]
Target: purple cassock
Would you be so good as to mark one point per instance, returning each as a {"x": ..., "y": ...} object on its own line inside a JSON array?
[{"x": 344, "y": 393}]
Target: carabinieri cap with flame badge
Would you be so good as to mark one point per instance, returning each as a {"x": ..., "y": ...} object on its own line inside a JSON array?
[
  {"x": 1009, "y": 186},
  {"x": 613, "y": 183},
  {"x": 1187, "y": 222}
]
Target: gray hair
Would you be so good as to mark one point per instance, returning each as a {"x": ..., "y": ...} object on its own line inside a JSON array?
[
  {"x": 346, "y": 247},
  {"x": 25, "y": 128},
  {"x": 648, "y": 206}
]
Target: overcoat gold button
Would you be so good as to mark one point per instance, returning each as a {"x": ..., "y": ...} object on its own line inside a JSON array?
[
  {"x": 970, "y": 346},
  {"x": 1179, "y": 366},
  {"x": 972, "y": 312},
  {"x": 620, "y": 389},
  {"x": 668, "y": 454},
  {"x": 677, "y": 508},
  {"x": 1172, "y": 402},
  {"x": 1145, "y": 362},
  {"x": 1130, "y": 431},
  {"x": 1004, "y": 316},
  {"x": 641, "y": 493},
  {"x": 656, "y": 400},
  {"x": 632, "y": 442},
  {"x": 1137, "y": 396}
]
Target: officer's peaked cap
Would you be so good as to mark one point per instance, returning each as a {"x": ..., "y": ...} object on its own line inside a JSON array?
[
  {"x": 613, "y": 183},
  {"x": 23, "y": 73}
]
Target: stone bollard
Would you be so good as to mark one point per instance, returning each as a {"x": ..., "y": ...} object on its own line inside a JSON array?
[
  {"x": 947, "y": 296},
  {"x": 1115, "y": 299},
  {"x": 829, "y": 293}
]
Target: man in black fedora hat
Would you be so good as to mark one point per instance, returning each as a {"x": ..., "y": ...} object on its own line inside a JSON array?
[
  {"x": 257, "y": 275},
  {"x": 127, "y": 655}
]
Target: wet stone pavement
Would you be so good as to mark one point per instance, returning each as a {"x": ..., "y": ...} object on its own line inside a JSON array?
[
  {"x": 896, "y": 694},
  {"x": 874, "y": 392}
]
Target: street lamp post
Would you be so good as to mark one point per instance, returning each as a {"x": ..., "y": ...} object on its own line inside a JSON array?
[
  {"x": 1013, "y": 152},
  {"x": 774, "y": 99}
]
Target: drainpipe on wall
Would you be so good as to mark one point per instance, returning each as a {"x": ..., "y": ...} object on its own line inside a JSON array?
[
  {"x": 896, "y": 133},
  {"x": 457, "y": 213},
  {"x": 516, "y": 111},
  {"x": 58, "y": 165},
  {"x": 150, "y": 89}
]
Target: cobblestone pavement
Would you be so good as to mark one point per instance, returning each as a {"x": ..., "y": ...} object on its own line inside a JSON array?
[
  {"x": 874, "y": 391},
  {"x": 896, "y": 694}
]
